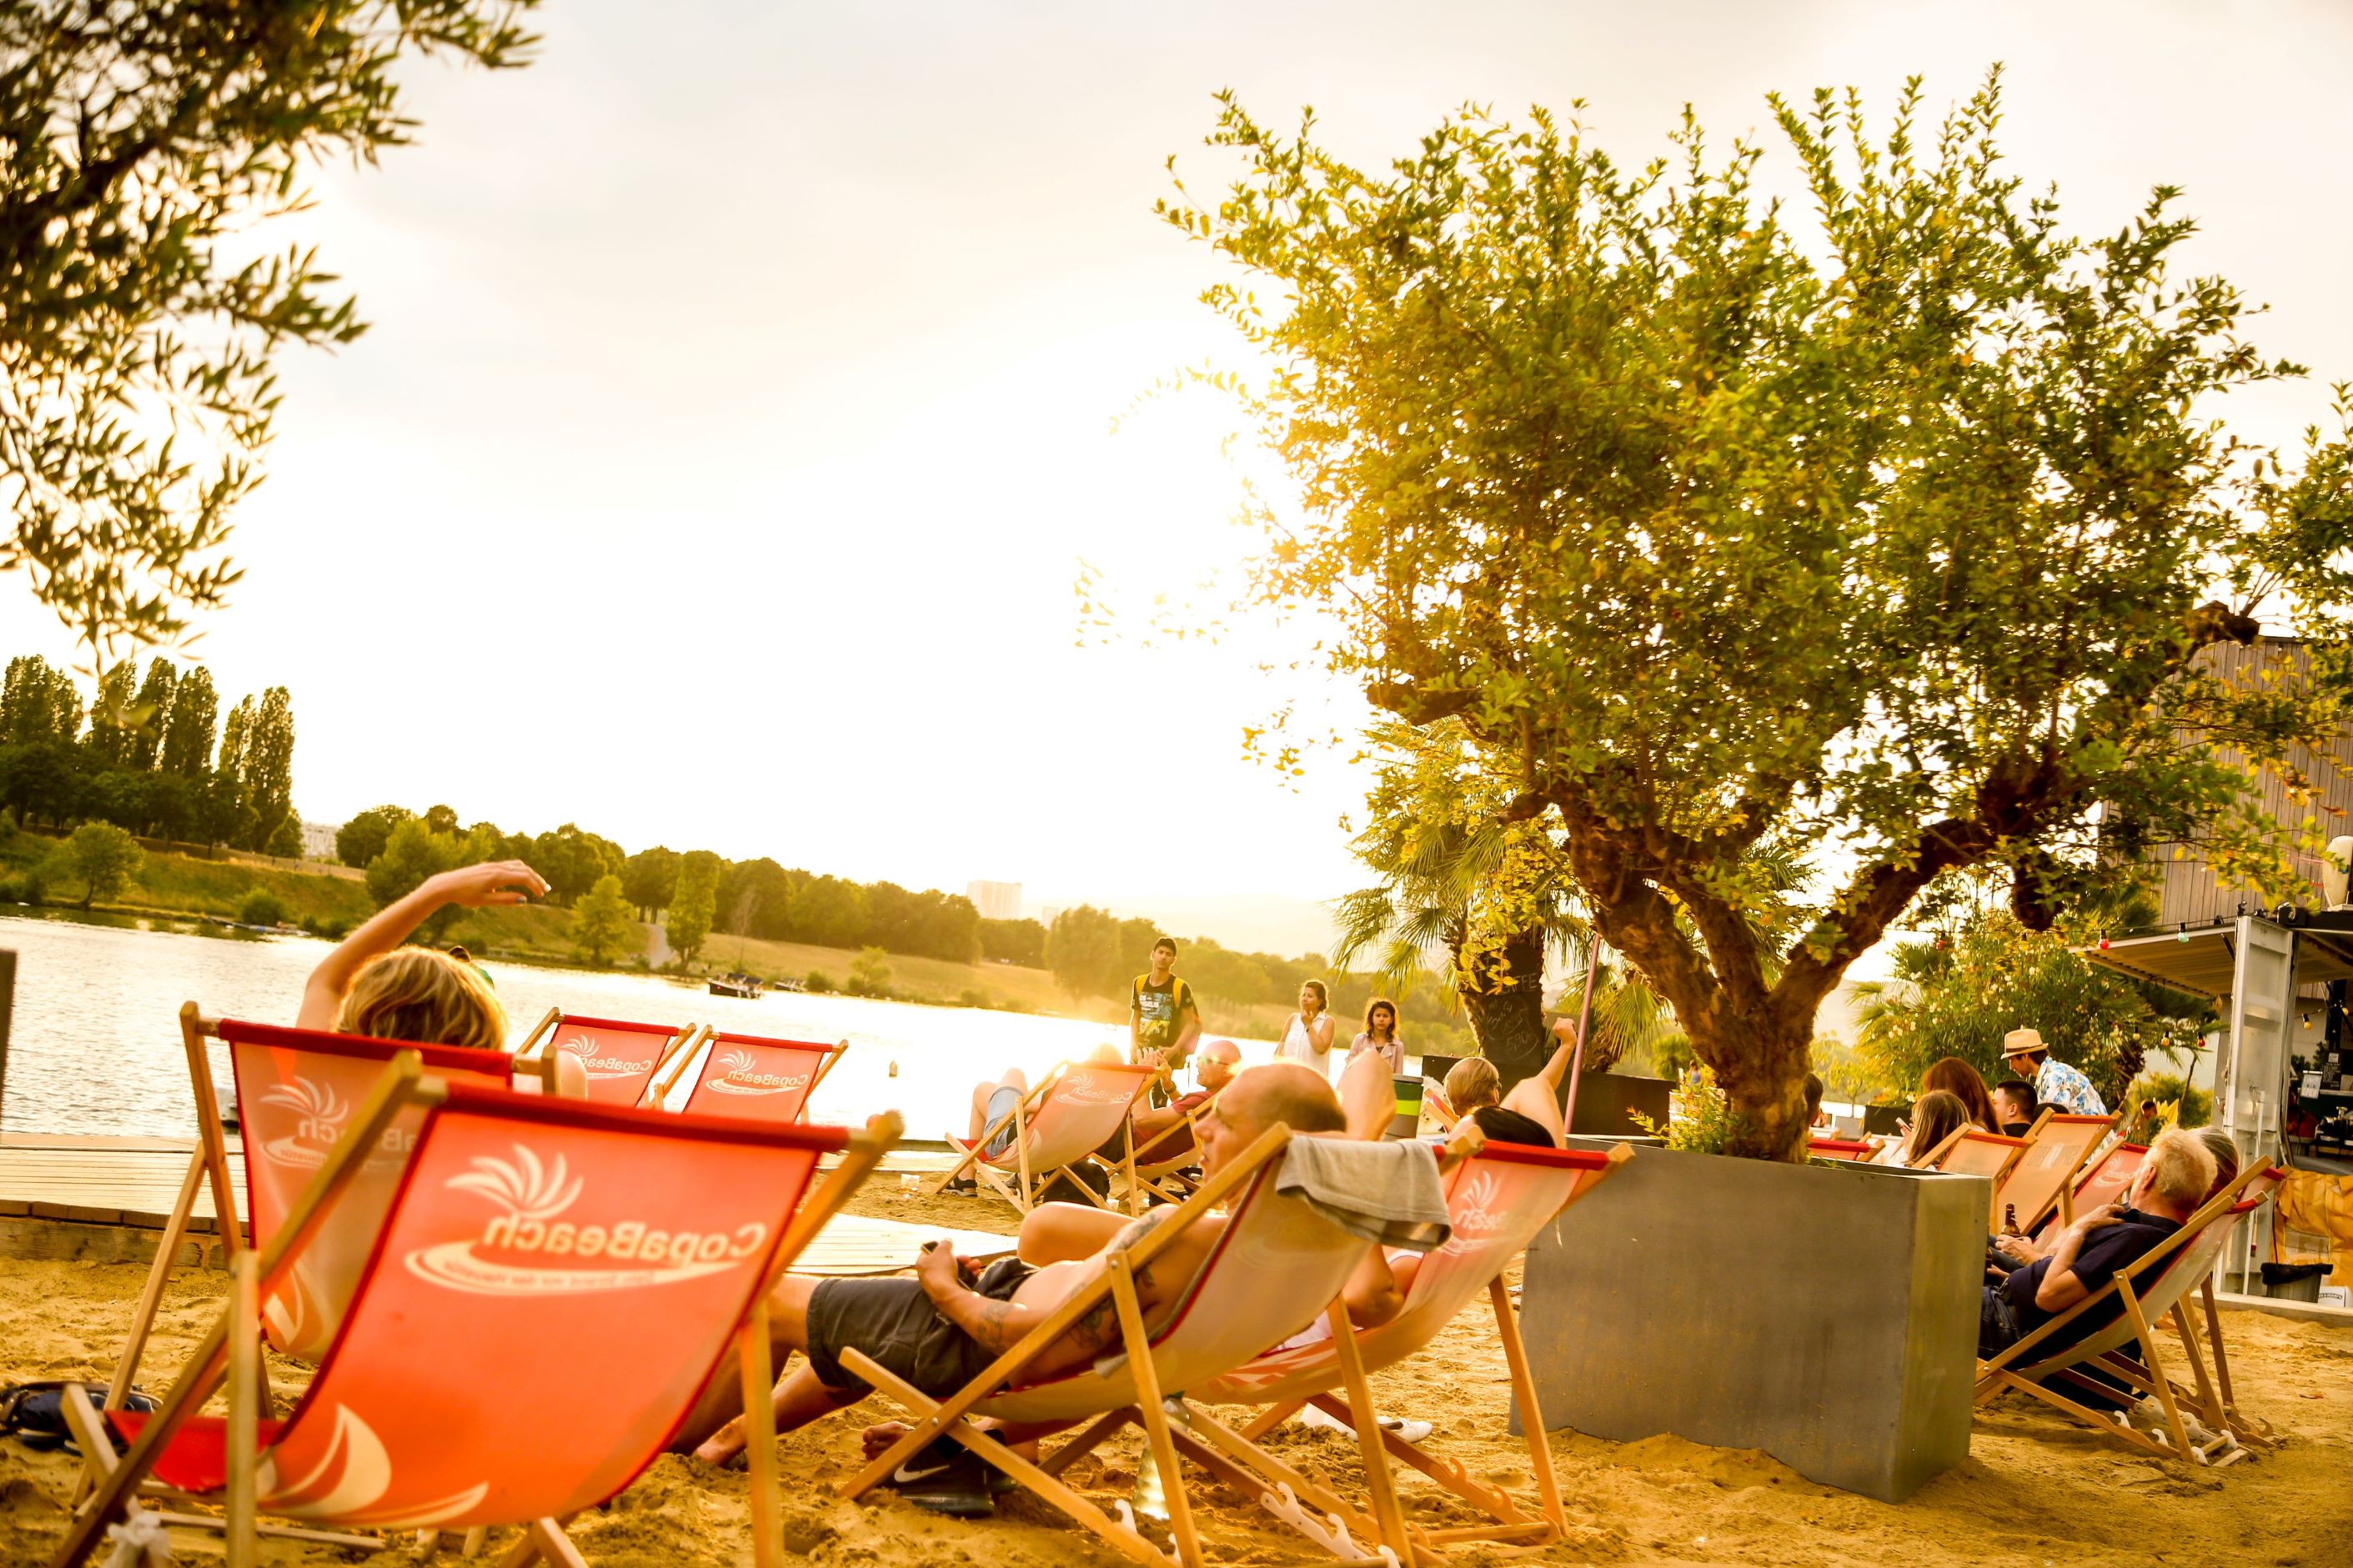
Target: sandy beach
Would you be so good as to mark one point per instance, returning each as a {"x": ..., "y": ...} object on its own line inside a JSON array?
[{"x": 2035, "y": 1490}]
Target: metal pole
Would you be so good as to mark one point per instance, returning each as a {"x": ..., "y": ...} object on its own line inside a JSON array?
[
  {"x": 1584, "y": 1017},
  {"x": 7, "y": 1013}
]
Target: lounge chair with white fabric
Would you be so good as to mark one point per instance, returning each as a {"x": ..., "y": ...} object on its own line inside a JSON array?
[
  {"x": 619, "y": 1058},
  {"x": 1270, "y": 1273},
  {"x": 296, "y": 1090},
  {"x": 527, "y": 1230},
  {"x": 1974, "y": 1151},
  {"x": 1075, "y": 1110},
  {"x": 1497, "y": 1199},
  {"x": 2167, "y": 1274},
  {"x": 1163, "y": 1160}
]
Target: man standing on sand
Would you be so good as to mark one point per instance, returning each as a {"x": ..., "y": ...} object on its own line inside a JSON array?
[
  {"x": 2055, "y": 1083},
  {"x": 1161, "y": 1015}
]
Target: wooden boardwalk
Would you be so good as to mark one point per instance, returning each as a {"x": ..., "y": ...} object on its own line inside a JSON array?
[{"x": 104, "y": 1198}]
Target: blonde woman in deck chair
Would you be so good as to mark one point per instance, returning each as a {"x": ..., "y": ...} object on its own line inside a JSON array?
[{"x": 371, "y": 984}]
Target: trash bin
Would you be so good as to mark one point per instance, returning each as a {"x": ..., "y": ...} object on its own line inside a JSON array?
[{"x": 2294, "y": 1281}]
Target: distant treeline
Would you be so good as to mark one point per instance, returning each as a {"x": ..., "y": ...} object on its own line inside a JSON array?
[
  {"x": 752, "y": 897},
  {"x": 143, "y": 756}
]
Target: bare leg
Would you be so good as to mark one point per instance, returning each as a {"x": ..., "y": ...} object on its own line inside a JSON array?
[
  {"x": 798, "y": 1400},
  {"x": 1015, "y": 1080},
  {"x": 723, "y": 1397},
  {"x": 1062, "y": 1233},
  {"x": 1538, "y": 1098},
  {"x": 1368, "y": 1096}
]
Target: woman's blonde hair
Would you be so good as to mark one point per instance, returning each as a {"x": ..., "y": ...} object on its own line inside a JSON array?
[
  {"x": 427, "y": 997},
  {"x": 1471, "y": 1083}
]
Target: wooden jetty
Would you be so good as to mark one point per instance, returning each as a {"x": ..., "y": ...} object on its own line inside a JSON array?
[{"x": 65, "y": 1195}]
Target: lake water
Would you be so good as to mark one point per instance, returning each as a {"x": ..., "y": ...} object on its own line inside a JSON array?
[{"x": 95, "y": 1046}]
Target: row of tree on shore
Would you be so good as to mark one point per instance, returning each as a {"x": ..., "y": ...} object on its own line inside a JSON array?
[{"x": 151, "y": 756}]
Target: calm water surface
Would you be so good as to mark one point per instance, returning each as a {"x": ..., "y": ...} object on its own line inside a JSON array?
[{"x": 95, "y": 1046}]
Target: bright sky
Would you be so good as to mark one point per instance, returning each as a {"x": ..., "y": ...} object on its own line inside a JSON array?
[{"x": 739, "y": 401}]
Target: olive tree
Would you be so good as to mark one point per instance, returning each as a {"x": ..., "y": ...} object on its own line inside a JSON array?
[
  {"x": 1890, "y": 524},
  {"x": 136, "y": 380}
]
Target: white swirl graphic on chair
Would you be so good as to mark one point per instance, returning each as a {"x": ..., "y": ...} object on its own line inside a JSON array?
[
  {"x": 737, "y": 1076},
  {"x": 319, "y": 1114},
  {"x": 508, "y": 1257},
  {"x": 348, "y": 1481},
  {"x": 584, "y": 1047}
]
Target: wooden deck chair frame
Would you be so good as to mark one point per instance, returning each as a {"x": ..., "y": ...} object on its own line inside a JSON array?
[
  {"x": 2063, "y": 1201},
  {"x": 1352, "y": 1404},
  {"x": 1973, "y": 1134},
  {"x": 936, "y": 1417},
  {"x": 231, "y": 1350},
  {"x": 2007, "y": 1372},
  {"x": 705, "y": 1040},
  {"x": 541, "y": 1039},
  {"x": 1166, "y": 1180},
  {"x": 207, "y": 1167},
  {"x": 1030, "y": 1183}
]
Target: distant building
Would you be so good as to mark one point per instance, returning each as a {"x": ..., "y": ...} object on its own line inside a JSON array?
[
  {"x": 995, "y": 901},
  {"x": 318, "y": 841}
]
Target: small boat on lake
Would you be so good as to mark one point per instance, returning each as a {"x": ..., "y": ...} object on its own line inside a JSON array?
[{"x": 744, "y": 985}]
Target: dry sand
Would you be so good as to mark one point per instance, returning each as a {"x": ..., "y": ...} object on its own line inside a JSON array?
[{"x": 2035, "y": 1492}]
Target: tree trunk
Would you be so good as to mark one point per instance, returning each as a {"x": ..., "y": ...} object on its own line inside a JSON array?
[
  {"x": 1504, "y": 995},
  {"x": 1760, "y": 1065}
]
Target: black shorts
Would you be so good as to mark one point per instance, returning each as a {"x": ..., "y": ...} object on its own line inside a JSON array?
[{"x": 894, "y": 1321}]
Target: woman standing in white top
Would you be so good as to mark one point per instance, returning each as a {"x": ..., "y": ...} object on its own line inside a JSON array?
[{"x": 1307, "y": 1038}]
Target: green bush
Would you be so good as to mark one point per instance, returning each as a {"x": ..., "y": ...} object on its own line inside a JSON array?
[
  {"x": 262, "y": 908},
  {"x": 1705, "y": 1121},
  {"x": 969, "y": 998},
  {"x": 2197, "y": 1105},
  {"x": 821, "y": 983}
]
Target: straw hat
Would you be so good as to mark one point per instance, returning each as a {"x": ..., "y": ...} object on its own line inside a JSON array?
[{"x": 2021, "y": 1042}]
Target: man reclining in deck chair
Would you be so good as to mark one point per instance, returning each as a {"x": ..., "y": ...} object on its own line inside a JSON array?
[
  {"x": 943, "y": 1328},
  {"x": 2171, "y": 1183}
]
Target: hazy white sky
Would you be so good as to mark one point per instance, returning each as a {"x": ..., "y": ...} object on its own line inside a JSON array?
[{"x": 738, "y": 403}]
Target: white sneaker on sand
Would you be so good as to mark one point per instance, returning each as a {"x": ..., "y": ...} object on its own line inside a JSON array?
[{"x": 1405, "y": 1431}]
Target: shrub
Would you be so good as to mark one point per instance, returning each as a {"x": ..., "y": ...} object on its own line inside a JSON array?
[
  {"x": 821, "y": 983},
  {"x": 1703, "y": 1121},
  {"x": 869, "y": 973},
  {"x": 969, "y": 998},
  {"x": 2193, "y": 1106},
  {"x": 335, "y": 927},
  {"x": 34, "y": 888},
  {"x": 262, "y": 908}
]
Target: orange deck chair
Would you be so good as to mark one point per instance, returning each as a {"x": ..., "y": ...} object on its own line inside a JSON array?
[
  {"x": 1163, "y": 1160},
  {"x": 296, "y": 1092},
  {"x": 1973, "y": 1151},
  {"x": 1857, "y": 1151},
  {"x": 619, "y": 1058},
  {"x": 1268, "y": 1275},
  {"x": 2166, "y": 1273},
  {"x": 529, "y": 1238},
  {"x": 2043, "y": 1179},
  {"x": 1075, "y": 1110},
  {"x": 1498, "y": 1198},
  {"x": 749, "y": 1075}
]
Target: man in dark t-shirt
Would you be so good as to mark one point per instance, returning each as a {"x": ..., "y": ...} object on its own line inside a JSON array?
[
  {"x": 2172, "y": 1181},
  {"x": 1161, "y": 1015}
]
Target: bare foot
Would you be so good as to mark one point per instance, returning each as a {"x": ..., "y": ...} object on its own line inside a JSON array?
[
  {"x": 879, "y": 1437},
  {"x": 724, "y": 1447}
]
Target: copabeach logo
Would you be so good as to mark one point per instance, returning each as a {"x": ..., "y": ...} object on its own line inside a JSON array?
[
  {"x": 739, "y": 1074},
  {"x": 314, "y": 1124},
  {"x": 527, "y": 1249},
  {"x": 1095, "y": 1086},
  {"x": 1477, "y": 1215},
  {"x": 586, "y": 1046}
]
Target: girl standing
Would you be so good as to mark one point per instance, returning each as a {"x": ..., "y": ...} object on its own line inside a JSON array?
[{"x": 1380, "y": 1033}]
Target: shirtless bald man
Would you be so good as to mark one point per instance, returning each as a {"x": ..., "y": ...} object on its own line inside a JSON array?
[{"x": 941, "y": 1328}]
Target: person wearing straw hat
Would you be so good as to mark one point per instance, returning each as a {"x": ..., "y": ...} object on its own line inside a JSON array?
[{"x": 2055, "y": 1083}]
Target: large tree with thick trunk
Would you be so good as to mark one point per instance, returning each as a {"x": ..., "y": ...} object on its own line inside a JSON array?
[{"x": 1891, "y": 528}]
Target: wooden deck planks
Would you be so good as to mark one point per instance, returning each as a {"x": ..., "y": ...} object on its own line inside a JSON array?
[{"x": 58, "y": 1195}]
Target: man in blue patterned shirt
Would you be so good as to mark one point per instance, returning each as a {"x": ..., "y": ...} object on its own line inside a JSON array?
[{"x": 2055, "y": 1083}]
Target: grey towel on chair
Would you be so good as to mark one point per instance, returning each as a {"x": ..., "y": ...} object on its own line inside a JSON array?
[{"x": 1385, "y": 1193}]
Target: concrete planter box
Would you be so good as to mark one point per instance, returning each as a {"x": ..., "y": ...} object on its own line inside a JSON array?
[{"x": 1827, "y": 1315}]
